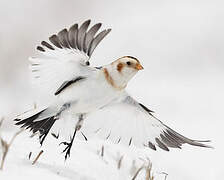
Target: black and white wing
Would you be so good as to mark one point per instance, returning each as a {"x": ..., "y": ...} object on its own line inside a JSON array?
[
  {"x": 66, "y": 56},
  {"x": 128, "y": 122}
]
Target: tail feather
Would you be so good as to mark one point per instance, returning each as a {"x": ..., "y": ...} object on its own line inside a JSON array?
[
  {"x": 27, "y": 121},
  {"x": 42, "y": 126}
]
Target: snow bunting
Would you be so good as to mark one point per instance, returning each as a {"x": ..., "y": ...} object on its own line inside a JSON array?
[{"x": 65, "y": 74}]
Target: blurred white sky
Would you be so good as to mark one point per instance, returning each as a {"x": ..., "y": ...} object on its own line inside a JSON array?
[{"x": 180, "y": 43}]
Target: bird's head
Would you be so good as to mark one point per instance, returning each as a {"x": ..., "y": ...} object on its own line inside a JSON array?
[
  {"x": 127, "y": 66},
  {"x": 123, "y": 69}
]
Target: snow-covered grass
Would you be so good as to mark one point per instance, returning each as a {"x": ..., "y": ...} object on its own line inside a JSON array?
[{"x": 93, "y": 159}]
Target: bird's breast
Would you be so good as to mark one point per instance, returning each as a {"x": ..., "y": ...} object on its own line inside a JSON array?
[{"x": 89, "y": 95}]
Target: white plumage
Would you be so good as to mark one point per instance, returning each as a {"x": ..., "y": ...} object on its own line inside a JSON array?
[{"x": 77, "y": 89}]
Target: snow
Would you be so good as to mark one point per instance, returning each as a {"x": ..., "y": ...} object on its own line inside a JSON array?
[{"x": 86, "y": 161}]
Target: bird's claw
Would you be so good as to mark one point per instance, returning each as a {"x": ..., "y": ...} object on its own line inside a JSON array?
[
  {"x": 68, "y": 145},
  {"x": 67, "y": 149}
]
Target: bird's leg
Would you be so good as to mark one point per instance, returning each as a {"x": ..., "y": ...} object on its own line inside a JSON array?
[
  {"x": 69, "y": 145},
  {"x": 63, "y": 108}
]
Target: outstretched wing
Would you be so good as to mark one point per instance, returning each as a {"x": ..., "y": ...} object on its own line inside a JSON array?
[
  {"x": 66, "y": 56},
  {"x": 128, "y": 121}
]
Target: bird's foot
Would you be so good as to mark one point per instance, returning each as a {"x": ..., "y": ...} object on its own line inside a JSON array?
[
  {"x": 69, "y": 145},
  {"x": 67, "y": 148}
]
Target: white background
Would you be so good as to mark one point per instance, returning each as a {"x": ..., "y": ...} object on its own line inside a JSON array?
[{"x": 179, "y": 43}]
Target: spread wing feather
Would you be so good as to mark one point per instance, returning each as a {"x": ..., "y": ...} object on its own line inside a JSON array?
[
  {"x": 97, "y": 40},
  {"x": 128, "y": 121},
  {"x": 90, "y": 35},
  {"x": 65, "y": 57},
  {"x": 63, "y": 38},
  {"x": 77, "y": 38},
  {"x": 81, "y": 34},
  {"x": 72, "y": 36}
]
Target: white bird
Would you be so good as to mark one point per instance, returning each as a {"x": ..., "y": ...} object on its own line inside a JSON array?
[{"x": 65, "y": 74}]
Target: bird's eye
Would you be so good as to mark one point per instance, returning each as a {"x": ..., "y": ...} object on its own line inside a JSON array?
[
  {"x": 128, "y": 63},
  {"x": 87, "y": 63}
]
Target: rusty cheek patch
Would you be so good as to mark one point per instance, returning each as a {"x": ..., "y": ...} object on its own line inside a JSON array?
[
  {"x": 120, "y": 67},
  {"x": 108, "y": 77},
  {"x": 111, "y": 81}
]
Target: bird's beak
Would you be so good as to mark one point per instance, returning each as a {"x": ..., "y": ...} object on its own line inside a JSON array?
[{"x": 138, "y": 66}]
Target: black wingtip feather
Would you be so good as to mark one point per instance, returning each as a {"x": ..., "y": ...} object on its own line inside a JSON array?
[
  {"x": 97, "y": 40},
  {"x": 43, "y": 126},
  {"x": 173, "y": 140},
  {"x": 77, "y": 38},
  {"x": 146, "y": 109},
  {"x": 89, "y": 36},
  {"x": 152, "y": 146},
  {"x": 63, "y": 38},
  {"x": 39, "y": 48},
  {"x": 73, "y": 35},
  {"x": 44, "y": 43},
  {"x": 161, "y": 145},
  {"x": 81, "y": 34},
  {"x": 55, "y": 40},
  {"x": 182, "y": 139},
  {"x": 169, "y": 142}
]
